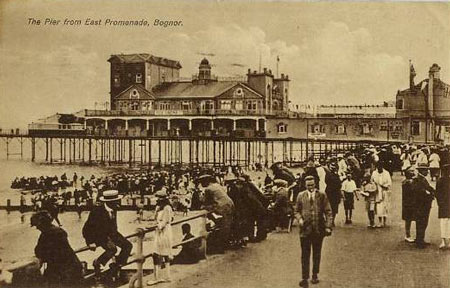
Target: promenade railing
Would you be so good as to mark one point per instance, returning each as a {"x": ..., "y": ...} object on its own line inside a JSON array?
[{"x": 140, "y": 256}]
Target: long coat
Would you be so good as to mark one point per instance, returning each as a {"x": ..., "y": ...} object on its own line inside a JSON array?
[
  {"x": 63, "y": 266},
  {"x": 423, "y": 199},
  {"x": 443, "y": 196},
  {"x": 408, "y": 200},
  {"x": 99, "y": 226},
  {"x": 333, "y": 190},
  {"x": 316, "y": 214}
]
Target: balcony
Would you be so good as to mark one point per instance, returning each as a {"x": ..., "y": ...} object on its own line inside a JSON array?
[{"x": 190, "y": 112}]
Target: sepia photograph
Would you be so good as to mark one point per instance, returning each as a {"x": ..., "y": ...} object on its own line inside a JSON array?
[{"x": 224, "y": 144}]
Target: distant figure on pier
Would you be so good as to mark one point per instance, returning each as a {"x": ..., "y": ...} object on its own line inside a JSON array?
[
  {"x": 100, "y": 229},
  {"x": 75, "y": 179},
  {"x": 63, "y": 269}
]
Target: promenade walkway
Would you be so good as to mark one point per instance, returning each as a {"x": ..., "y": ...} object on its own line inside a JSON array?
[{"x": 354, "y": 256}]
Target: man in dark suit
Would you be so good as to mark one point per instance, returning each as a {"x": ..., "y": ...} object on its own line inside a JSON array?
[
  {"x": 100, "y": 229},
  {"x": 424, "y": 198},
  {"x": 333, "y": 189},
  {"x": 314, "y": 216}
]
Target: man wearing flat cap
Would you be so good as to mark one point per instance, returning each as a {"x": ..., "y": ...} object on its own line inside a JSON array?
[
  {"x": 100, "y": 229},
  {"x": 314, "y": 216}
]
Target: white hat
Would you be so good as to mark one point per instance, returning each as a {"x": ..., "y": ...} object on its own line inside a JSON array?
[{"x": 110, "y": 195}]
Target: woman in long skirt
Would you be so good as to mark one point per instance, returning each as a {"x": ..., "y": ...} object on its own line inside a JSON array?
[
  {"x": 163, "y": 238},
  {"x": 382, "y": 179}
]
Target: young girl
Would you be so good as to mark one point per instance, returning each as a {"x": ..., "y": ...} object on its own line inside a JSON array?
[{"x": 163, "y": 238}]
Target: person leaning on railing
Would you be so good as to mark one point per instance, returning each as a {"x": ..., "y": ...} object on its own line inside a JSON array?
[{"x": 63, "y": 269}]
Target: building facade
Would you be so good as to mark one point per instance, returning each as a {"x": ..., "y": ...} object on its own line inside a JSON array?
[{"x": 425, "y": 107}]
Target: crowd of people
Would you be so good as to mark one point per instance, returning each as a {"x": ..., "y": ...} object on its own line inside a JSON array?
[{"x": 245, "y": 209}]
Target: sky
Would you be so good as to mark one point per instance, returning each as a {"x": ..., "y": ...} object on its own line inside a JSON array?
[{"x": 334, "y": 53}]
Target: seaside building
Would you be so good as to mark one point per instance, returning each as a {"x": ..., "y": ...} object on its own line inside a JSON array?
[{"x": 148, "y": 98}]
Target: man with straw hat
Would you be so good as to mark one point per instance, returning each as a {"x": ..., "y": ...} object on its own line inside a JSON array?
[{"x": 100, "y": 229}]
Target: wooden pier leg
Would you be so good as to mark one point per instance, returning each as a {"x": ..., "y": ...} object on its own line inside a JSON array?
[
  {"x": 290, "y": 152},
  {"x": 90, "y": 151},
  {"x": 60, "y": 150},
  {"x": 7, "y": 148},
  {"x": 130, "y": 153},
  {"x": 190, "y": 152},
  {"x": 196, "y": 150},
  {"x": 79, "y": 148},
  {"x": 224, "y": 152},
  {"x": 82, "y": 150},
  {"x": 214, "y": 153},
  {"x": 159, "y": 152},
  {"x": 33, "y": 149},
  {"x": 142, "y": 152},
  {"x": 70, "y": 149},
  {"x": 51, "y": 150},
  {"x": 150, "y": 153},
  {"x": 46, "y": 149},
  {"x": 272, "y": 153},
  {"x": 21, "y": 147}
]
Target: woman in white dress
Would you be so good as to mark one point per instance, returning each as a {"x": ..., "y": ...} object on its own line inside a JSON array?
[
  {"x": 163, "y": 238},
  {"x": 382, "y": 179}
]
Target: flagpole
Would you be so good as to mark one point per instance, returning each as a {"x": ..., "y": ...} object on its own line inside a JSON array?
[{"x": 278, "y": 61}]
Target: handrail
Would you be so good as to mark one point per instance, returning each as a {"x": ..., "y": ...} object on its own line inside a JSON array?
[{"x": 140, "y": 257}]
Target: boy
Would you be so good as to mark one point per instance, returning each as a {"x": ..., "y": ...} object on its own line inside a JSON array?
[{"x": 348, "y": 193}]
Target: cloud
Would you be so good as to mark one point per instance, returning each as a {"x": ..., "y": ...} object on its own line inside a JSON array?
[{"x": 335, "y": 64}]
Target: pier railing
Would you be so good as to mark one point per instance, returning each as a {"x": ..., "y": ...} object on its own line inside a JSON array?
[{"x": 140, "y": 255}]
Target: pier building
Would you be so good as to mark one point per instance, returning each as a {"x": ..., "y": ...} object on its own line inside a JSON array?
[{"x": 148, "y": 98}]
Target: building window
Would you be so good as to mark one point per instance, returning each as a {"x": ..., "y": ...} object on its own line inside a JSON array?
[
  {"x": 341, "y": 129},
  {"x": 366, "y": 129},
  {"x": 164, "y": 106},
  {"x": 134, "y": 94},
  {"x": 239, "y": 92},
  {"x": 251, "y": 105},
  {"x": 116, "y": 81},
  {"x": 225, "y": 104},
  {"x": 186, "y": 105},
  {"x": 138, "y": 78},
  {"x": 239, "y": 105},
  {"x": 317, "y": 129},
  {"x": 399, "y": 104},
  {"x": 415, "y": 127},
  {"x": 281, "y": 128},
  {"x": 384, "y": 126},
  {"x": 135, "y": 106}
]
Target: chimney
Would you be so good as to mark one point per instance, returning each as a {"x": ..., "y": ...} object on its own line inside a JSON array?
[
  {"x": 433, "y": 74},
  {"x": 265, "y": 70},
  {"x": 282, "y": 75},
  {"x": 249, "y": 71},
  {"x": 412, "y": 74}
]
